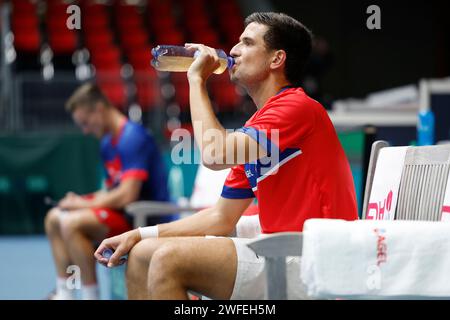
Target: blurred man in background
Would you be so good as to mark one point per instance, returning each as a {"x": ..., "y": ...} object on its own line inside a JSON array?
[{"x": 134, "y": 171}]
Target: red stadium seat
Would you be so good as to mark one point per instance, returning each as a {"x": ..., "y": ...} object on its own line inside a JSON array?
[
  {"x": 98, "y": 39},
  {"x": 22, "y": 20},
  {"x": 57, "y": 8},
  {"x": 27, "y": 40},
  {"x": 108, "y": 53},
  {"x": 160, "y": 7},
  {"x": 125, "y": 9},
  {"x": 56, "y": 23},
  {"x": 128, "y": 25},
  {"x": 137, "y": 39},
  {"x": 91, "y": 8},
  {"x": 208, "y": 37},
  {"x": 115, "y": 90},
  {"x": 23, "y": 6},
  {"x": 181, "y": 85},
  {"x": 174, "y": 37},
  {"x": 140, "y": 59},
  {"x": 25, "y": 26},
  {"x": 64, "y": 42},
  {"x": 223, "y": 92},
  {"x": 148, "y": 93},
  {"x": 94, "y": 17}
]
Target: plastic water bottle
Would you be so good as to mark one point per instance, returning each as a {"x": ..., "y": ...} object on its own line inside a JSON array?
[
  {"x": 179, "y": 59},
  {"x": 425, "y": 128}
]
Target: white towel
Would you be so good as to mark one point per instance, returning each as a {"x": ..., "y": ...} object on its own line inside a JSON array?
[{"x": 376, "y": 259}]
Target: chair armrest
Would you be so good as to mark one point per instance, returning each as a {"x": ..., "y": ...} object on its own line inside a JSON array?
[
  {"x": 275, "y": 248},
  {"x": 140, "y": 210},
  {"x": 281, "y": 244}
]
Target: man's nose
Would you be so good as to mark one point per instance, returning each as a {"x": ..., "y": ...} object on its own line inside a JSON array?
[{"x": 234, "y": 51}]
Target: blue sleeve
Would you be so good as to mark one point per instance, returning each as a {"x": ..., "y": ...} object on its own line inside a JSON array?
[{"x": 135, "y": 150}]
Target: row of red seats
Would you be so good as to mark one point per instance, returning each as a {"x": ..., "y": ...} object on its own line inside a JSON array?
[
  {"x": 105, "y": 55},
  {"x": 25, "y": 26},
  {"x": 133, "y": 38},
  {"x": 135, "y": 44},
  {"x": 61, "y": 39}
]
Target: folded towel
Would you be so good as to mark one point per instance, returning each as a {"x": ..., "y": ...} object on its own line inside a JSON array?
[{"x": 376, "y": 259}]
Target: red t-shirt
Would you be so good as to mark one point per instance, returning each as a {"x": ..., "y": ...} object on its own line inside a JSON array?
[{"x": 306, "y": 173}]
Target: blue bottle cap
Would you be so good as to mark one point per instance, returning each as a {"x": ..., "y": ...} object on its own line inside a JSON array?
[
  {"x": 155, "y": 52},
  {"x": 107, "y": 253},
  {"x": 230, "y": 62}
]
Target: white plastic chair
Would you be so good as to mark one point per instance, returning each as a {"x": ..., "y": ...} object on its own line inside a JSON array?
[{"x": 421, "y": 195}]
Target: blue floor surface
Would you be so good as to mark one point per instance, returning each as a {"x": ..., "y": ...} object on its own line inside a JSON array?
[{"x": 27, "y": 271}]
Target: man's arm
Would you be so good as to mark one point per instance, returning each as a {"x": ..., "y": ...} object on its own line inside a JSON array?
[
  {"x": 219, "y": 220},
  {"x": 219, "y": 149},
  {"x": 117, "y": 198}
]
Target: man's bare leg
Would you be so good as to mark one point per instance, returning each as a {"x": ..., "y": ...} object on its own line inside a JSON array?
[
  {"x": 137, "y": 267},
  {"x": 79, "y": 230},
  {"x": 176, "y": 265},
  {"x": 59, "y": 250}
]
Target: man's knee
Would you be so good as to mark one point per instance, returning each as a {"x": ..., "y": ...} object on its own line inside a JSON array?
[
  {"x": 139, "y": 259},
  {"x": 72, "y": 224},
  {"x": 142, "y": 252},
  {"x": 51, "y": 221},
  {"x": 166, "y": 260}
]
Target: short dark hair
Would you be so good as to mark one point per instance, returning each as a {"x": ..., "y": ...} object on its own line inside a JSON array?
[
  {"x": 288, "y": 34},
  {"x": 86, "y": 96}
]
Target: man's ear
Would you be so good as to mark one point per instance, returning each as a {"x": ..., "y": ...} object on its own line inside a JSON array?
[{"x": 278, "y": 59}]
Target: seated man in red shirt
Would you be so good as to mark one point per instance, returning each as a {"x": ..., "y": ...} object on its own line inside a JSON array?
[{"x": 299, "y": 171}]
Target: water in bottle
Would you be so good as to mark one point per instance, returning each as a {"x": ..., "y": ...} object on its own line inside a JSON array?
[
  {"x": 425, "y": 128},
  {"x": 179, "y": 59}
]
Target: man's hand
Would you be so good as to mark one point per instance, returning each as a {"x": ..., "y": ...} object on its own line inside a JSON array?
[
  {"x": 121, "y": 245},
  {"x": 73, "y": 201},
  {"x": 204, "y": 64}
]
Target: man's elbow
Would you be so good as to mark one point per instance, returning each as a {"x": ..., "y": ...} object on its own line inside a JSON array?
[
  {"x": 217, "y": 159},
  {"x": 227, "y": 225},
  {"x": 213, "y": 162},
  {"x": 127, "y": 198},
  {"x": 213, "y": 166}
]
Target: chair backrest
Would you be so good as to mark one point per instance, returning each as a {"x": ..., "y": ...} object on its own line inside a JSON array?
[{"x": 422, "y": 184}]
